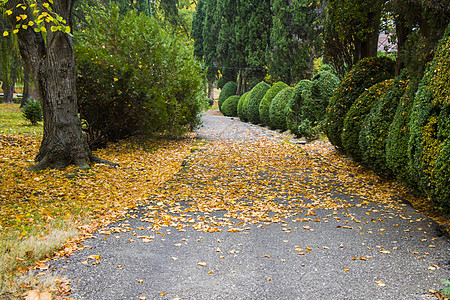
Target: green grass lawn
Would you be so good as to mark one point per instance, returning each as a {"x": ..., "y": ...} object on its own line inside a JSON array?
[{"x": 12, "y": 121}]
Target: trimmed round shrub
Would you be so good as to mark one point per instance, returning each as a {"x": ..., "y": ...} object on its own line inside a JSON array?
[
  {"x": 242, "y": 107},
  {"x": 364, "y": 74},
  {"x": 229, "y": 107},
  {"x": 355, "y": 117},
  {"x": 32, "y": 111},
  {"x": 254, "y": 99},
  {"x": 294, "y": 116},
  {"x": 229, "y": 89},
  {"x": 277, "y": 110},
  {"x": 398, "y": 138},
  {"x": 375, "y": 128},
  {"x": 322, "y": 89},
  {"x": 428, "y": 147},
  {"x": 139, "y": 81},
  {"x": 264, "y": 105}
]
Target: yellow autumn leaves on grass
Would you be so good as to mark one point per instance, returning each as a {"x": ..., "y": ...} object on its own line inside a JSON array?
[{"x": 33, "y": 202}]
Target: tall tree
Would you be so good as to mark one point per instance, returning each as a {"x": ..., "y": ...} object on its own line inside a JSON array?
[
  {"x": 352, "y": 30},
  {"x": 51, "y": 60},
  {"x": 257, "y": 35},
  {"x": 198, "y": 23},
  {"x": 210, "y": 32},
  {"x": 10, "y": 62},
  {"x": 295, "y": 39}
]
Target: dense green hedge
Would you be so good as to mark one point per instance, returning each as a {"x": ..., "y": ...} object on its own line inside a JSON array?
[
  {"x": 356, "y": 115},
  {"x": 398, "y": 138},
  {"x": 229, "y": 89},
  {"x": 267, "y": 100},
  {"x": 254, "y": 99},
  {"x": 134, "y": 77},
  {"x": 294, "y": 117},
  {"x": 242, "y": 108},
  {"x": 375, "y": 127},
  {"x": 322, "y": 89},
  {"x": 229, "y": 106},
  {"x": 428, "y": 148},
  {"x": 277, "y": 110},
  {"x": 364, "y": 74}
]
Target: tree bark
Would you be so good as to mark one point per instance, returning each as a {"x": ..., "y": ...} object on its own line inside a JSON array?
[
  {"x": 8, "y": 90},
  {"x": 52, "y": 67},
  {"x": 210, "y": 90},
  {"x": 239, "y": 86},
  {"x": 27, "y": 87},
  {"x": 402, "y": 31}
]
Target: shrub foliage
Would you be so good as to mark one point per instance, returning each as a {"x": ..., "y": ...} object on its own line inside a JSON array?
[
  {"x": 356, "y": 115},
  {"x": 322, "y": 89},
  {"x": 398, "y": 137},
  {"x": 374, "y": 130},
  {"x": 429, "y": 145},
  {"x": 365, "y": 73},
  {"x": 229, "y": 107},
  {"x": 242, "y": 107},
  {"x": 264, "y": 105},
  {"x": 229, "y": 89},
  {"x": 277, "y": 110},
  {"x": 294, "y": 115},
  {"x": 135, "y": 78},
  {"x": 254, "y": 99}
]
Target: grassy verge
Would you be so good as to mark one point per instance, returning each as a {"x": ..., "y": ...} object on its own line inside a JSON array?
[{"x": 40, "y": 212}]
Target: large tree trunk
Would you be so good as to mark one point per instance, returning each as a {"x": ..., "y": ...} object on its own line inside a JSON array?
[
  {"x": 28, "y": 90},
  {"x": 8, "y": 90},
  {"x": 53, "y": 71},
  {"x": 402, "y": 31}
]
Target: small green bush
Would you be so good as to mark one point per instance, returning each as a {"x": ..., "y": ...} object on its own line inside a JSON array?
[
  {"x": 229, "y": 107},
  {"x": 242, "y": 107},
  {"x": 210, "y": 102},
  {"x": 364, "y": 74},
  {"x": 277, "y": 110},
  {"x": 375, "y": 127},
  {"x": 428, "y": 147},
  {"x": 264, "y": 105},
  {"x": 294, "y": 116},
  {"x": 398, "y": 137},
  {"x": 254, "y": 99},
  {"x": 32, "y": 111},
  {"x": 356, "y": 115},
  {"x": 229, "y": 89}
]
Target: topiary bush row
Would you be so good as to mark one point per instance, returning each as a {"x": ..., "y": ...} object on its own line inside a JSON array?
[
  {"x": 298, "y": 110},
  {"x": 365, "y": 73},
  {"x": 429, "y": 143},
  {"x": 397, "y": 129}
]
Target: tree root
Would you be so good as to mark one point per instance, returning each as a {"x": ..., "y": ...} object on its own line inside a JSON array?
[
  {"x": 99, "y": 160},
  {"x": 81, "y": 163}
]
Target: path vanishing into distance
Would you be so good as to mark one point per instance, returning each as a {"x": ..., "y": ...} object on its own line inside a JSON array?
[{"x": 253, "y": 215}]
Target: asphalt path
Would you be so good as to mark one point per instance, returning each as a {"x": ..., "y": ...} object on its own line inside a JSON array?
[{"x": 398, "y": 253}]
